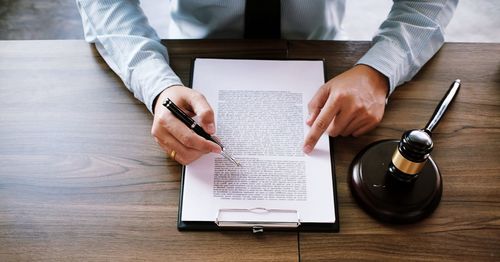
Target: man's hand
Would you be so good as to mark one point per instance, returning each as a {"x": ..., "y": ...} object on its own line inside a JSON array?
[
  {"x": 351, "y": 103},
  {"x": 173, "y": 135}
]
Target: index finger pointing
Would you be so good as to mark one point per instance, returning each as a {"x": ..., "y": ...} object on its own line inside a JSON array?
[{"x": 320, "y": 124}]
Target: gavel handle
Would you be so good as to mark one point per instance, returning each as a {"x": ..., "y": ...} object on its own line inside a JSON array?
[{"x": 443, "y": 105}]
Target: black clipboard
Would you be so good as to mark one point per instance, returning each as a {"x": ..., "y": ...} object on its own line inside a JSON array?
[{"x": 261, "y": 226}]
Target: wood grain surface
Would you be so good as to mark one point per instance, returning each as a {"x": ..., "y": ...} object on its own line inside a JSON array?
[{"x": 82, "y": 179}]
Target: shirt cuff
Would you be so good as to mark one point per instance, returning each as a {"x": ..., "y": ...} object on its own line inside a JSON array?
[
  {"x": 388, "y": 59},
  {"x": 150, "y": 78}
]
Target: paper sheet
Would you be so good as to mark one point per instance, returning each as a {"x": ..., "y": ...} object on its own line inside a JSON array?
[{"x": 260, "y": 109}]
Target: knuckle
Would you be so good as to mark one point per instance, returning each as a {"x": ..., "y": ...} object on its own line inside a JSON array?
[
  {"x": 154, "y": 131},
  {"x": 185, "y": 140},
  {"x": 359, "y": 107},
  {"x": 206, "y": 115},
  {"x": 374, "y": 118},
  {"x": 340, "y": 96},
  {"x": 160, "y": 121},
  {"x": 167, "y": 144},
  {"x": 321, "y": 124}
]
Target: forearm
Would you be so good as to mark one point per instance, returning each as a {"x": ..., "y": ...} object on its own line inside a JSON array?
[
  {"x": 129, "y": 45},
  {"x": 412, "y": 33}
]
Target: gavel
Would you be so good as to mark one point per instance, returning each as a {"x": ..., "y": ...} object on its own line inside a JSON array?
[{"x": 397, "y": 181}]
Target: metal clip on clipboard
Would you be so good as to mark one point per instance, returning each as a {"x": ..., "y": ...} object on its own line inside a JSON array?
[{"x": 256, "y": 218}]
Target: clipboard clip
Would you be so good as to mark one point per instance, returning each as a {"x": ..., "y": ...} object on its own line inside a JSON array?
[{"x": 257, "y": 218}]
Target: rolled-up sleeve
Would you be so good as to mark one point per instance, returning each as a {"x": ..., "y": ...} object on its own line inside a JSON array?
[
  {"x": 129, "y": 45},
  {"x": 412, "y": 33}
]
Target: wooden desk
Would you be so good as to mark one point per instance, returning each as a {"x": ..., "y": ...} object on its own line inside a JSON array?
[{"x": 82, "y": 179}]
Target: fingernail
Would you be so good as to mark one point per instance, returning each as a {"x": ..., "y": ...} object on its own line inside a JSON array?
[{"x": 307, "y": 149}]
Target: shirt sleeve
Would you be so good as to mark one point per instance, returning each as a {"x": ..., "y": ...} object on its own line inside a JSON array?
[
  {"x": 412, "y": 33},
  {"x": 129, "y": 45}
]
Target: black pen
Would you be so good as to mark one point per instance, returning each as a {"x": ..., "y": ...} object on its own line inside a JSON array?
[{"x": 189, "y": 122}]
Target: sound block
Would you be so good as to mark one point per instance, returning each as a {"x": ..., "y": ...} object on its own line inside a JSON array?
[{"x": 386, "y": 198}]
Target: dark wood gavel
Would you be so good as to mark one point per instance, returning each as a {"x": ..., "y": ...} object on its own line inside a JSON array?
[{"x": 406, "y": 187}]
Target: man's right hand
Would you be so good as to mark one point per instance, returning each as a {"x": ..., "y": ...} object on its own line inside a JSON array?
[{"x": 173, "y": 135}]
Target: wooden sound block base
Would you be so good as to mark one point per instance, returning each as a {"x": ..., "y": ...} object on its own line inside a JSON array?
[{"x": 386, "y": 198}]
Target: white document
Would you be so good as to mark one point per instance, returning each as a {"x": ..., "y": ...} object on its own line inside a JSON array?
[{"x": 260, "y": 112}]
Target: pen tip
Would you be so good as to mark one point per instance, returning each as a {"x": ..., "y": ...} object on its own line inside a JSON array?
[
  {"x": 229, "y": 157},
  {"x": 235, "y": 162}
]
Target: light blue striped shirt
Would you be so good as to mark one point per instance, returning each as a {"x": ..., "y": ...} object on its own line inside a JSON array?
[{"x": 406, "y": 40}]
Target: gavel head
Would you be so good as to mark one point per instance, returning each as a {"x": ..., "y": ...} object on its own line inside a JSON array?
[{"x": 411, "y": 155}]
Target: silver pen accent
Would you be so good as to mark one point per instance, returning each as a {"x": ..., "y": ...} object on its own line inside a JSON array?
[
  {"x": 229, "y": 157},
  {"x": 223, "y": 152}
]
